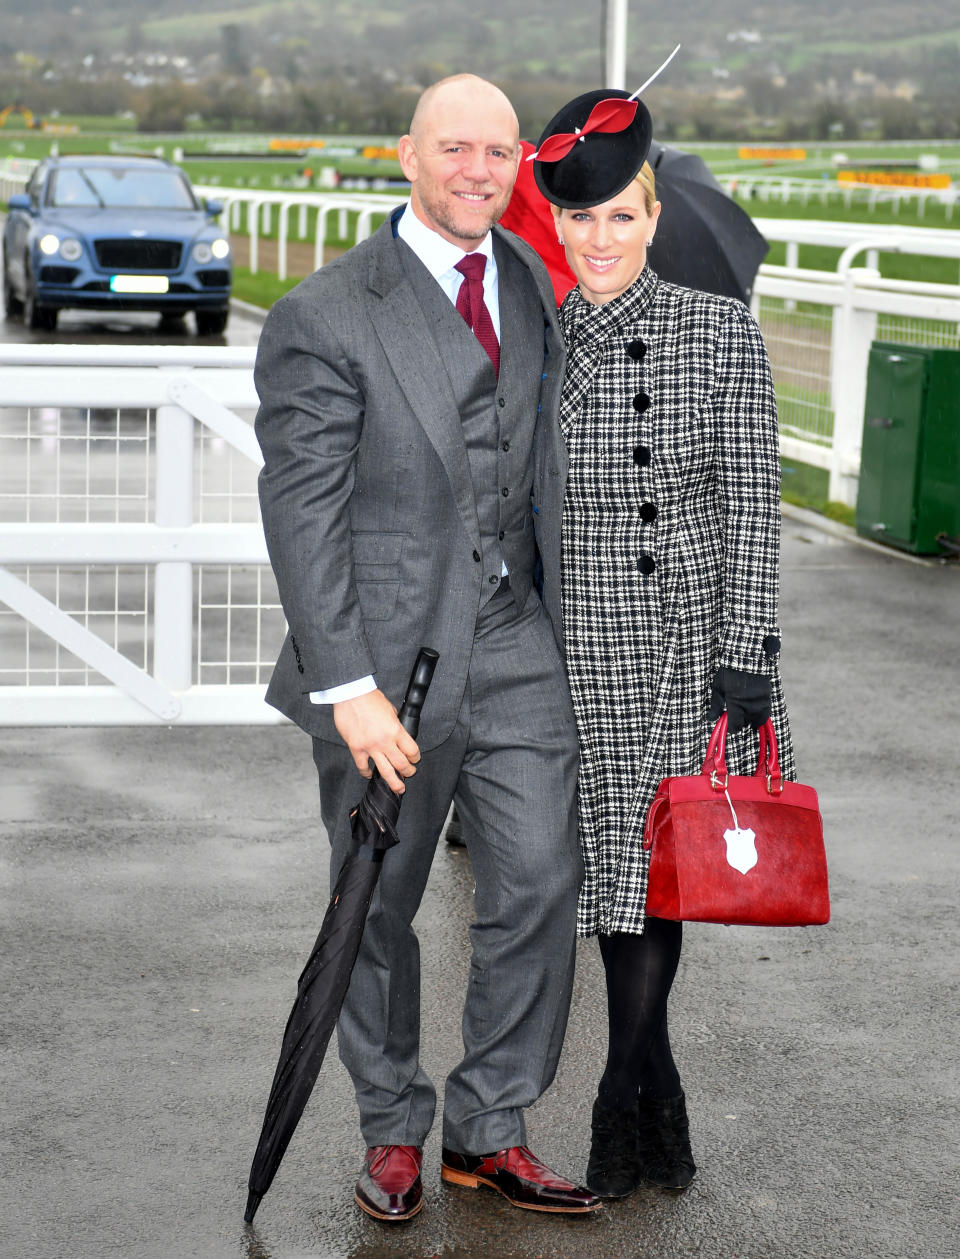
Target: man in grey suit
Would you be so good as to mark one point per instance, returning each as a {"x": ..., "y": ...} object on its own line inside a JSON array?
[{"x": 413, "y": 467}]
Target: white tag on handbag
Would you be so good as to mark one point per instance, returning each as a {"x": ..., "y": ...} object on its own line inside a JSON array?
[{"x": 741, "y": 849}]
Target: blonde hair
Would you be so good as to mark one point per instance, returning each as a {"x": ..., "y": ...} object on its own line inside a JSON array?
[{"x": 645, "y": 178}]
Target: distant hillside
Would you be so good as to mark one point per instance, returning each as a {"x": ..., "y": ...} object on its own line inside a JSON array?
[{"x": 500, "y": 38}]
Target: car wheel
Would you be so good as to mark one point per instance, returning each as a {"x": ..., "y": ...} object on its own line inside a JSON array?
[
  {"x": 211, "y": 322},
  {"x": 12, "y": 304},
  {"x": 42, "y": 318}
]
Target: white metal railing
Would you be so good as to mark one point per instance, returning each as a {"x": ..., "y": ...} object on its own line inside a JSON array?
[
  {"x": 818, "y": 327},
  {"x": 749, "y": 186},
  {"x": 252, "y": 210},
  {"x": 14, "y": 176},
  {"x": 134, "y": 581}
]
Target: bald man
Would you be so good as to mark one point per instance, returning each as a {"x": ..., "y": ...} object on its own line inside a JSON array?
[{"x": 413, "y": 472}]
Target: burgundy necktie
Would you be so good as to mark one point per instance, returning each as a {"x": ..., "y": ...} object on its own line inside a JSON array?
[{"x": 471, "y": 305}]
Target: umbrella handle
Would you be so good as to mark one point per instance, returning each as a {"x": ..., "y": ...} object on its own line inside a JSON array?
[{"x": 417, "y": 688}]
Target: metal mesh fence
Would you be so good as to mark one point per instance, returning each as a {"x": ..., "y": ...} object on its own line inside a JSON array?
[
  {"x": 96, "y": 466},
  {"x": 797, "y": 337}
]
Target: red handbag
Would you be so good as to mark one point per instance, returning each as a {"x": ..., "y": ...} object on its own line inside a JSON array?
[{"x": 732, "y": 849}]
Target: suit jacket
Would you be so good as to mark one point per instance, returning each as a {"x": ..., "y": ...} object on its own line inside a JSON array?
[{"x": 367, "y": 502}]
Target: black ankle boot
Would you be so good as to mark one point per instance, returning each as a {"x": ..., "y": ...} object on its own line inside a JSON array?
[
  {"x": 663, "y": 1143},
  {"x": 613, "y": 1170}
]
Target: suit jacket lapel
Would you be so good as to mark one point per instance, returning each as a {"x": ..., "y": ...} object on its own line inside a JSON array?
[
  {"x": 554, "y": 350},
  {"x": 402, "y": 326}
]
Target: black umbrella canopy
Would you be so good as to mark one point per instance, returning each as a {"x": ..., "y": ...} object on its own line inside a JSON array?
[
  {"x": 704, "y": 239},
  {"x": 326, "y": 976}
]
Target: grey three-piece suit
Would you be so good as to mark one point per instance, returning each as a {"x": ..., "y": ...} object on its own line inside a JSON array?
[{"x": 400, "y": 474}]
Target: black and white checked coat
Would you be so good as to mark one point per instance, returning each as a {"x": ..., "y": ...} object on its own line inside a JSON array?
[{"x": 671, "y": 534}]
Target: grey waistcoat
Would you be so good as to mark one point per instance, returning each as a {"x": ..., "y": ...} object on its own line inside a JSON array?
[{"x": 496, "y": 415}]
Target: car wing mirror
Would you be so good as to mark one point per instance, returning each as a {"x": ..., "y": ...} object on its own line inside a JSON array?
[
  {"x": 19, "y": 201},
  {"x": 214, "y": 207}
]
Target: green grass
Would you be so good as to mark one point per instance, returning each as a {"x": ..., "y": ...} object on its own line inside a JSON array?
[
  {"x": 806, "y": 486},
  {"x": 262, "y": 289}
]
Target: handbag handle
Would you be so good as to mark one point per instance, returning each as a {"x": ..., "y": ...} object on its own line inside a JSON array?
[{"x": 768, "y": 763}]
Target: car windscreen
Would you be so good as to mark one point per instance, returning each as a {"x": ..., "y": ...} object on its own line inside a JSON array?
[{"x": 120, "y": 188}]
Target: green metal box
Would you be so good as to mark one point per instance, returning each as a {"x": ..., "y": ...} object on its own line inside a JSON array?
[{"x": 909, "y": 490}]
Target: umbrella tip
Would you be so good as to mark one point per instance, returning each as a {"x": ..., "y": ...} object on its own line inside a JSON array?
[{"x": 253, "y": 1201}]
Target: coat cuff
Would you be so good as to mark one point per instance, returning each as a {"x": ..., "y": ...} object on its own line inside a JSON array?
[{"x": 751, "y": 648}]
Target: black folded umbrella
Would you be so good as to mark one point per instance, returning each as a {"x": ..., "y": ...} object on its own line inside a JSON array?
[
  {"x": 704, "y": 239},
  {"x": 326, "y": 976}
]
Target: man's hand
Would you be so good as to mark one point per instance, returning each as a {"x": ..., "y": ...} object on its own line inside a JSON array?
[{"x": 371, "y": 730}]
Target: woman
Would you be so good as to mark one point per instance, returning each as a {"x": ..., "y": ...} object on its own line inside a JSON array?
[{"x": 670, "y": 575}]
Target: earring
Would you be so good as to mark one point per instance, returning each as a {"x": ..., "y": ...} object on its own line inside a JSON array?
[
  {"x": 649, "y": 242},
  {"x": 559, "y": 240}
]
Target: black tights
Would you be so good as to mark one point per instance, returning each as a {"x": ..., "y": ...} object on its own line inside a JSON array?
[{"x": 640, "y": 971}]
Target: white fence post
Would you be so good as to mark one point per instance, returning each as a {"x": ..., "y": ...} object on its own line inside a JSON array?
[
  {"x": 283, "y": 214},
  {"x": 173, "y": 588},
  {"x": 853, "y": 332},
  {"x": 320, "y": 236},
  {"x": 253, "y": 219}
]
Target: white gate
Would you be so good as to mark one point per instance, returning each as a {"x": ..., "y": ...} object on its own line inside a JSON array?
[{"x": 134, "y": 582}]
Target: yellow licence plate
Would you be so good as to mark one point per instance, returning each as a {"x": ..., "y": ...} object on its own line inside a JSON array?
[{"x": 139, "y": 284}]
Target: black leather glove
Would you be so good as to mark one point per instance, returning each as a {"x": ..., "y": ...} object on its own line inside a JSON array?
[{"x": 746, "y": 697}]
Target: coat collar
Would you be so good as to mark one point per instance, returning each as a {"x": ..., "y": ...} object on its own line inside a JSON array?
[{"x": 582, "y": 321}]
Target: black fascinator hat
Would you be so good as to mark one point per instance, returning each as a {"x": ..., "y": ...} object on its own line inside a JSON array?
[{"x": 592, "y": 148}]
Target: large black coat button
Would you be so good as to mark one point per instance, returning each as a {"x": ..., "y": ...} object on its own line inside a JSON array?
[
  {"x": 476, "y": 556},
  {"x": 642, "y": 456},
  {"x": 648, "y": 512},
  {"x": 641, "y": 402},
  {"x": 637, "y": 349},
  {"x": 771, "y": 645},
  {"x": 646, "y": 564},
  {"x": 505, "y": 492}
]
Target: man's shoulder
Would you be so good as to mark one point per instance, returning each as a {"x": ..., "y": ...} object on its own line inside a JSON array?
[
  {"x": 342, "y": 274},
  {"x": 524, "y": 252},
  {"x": 529, "y": 258}
]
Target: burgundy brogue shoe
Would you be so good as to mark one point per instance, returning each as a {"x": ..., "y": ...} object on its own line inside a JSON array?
[
  {"x": 390, "y": 1187},
  {"x": 521, "y": 1178}
]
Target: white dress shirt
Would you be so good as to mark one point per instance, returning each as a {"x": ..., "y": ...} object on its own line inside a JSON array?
[{"x": 440, "y": 257}]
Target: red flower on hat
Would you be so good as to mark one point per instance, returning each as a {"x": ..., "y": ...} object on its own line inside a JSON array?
[{"x": 606, "y": 117}]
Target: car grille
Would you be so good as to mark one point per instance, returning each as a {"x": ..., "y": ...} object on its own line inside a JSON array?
[{"x": 139, "y": 255}]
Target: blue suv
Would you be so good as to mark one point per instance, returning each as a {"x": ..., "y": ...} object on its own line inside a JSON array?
[{"x": 114, "y": 233}]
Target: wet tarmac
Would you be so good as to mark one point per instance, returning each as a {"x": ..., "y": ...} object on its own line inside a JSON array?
[{"x": 160, "y": 889}]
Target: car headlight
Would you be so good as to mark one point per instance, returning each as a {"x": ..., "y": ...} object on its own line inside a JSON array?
[
  {"x": 202, "y": 252},
  {"x": 49, "y": 244},
  {"x": 220, "y": 248},
  {"x": 71, "y": 249}
]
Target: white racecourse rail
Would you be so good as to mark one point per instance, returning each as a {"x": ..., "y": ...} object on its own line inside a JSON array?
[{"x": 134, "y": 582}]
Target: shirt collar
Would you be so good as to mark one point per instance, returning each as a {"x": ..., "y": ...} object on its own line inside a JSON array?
[{"x": 437, "y": 254}]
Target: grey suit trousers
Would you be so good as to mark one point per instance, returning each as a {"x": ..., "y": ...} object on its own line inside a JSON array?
[{"x": 511, "y": 765}]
